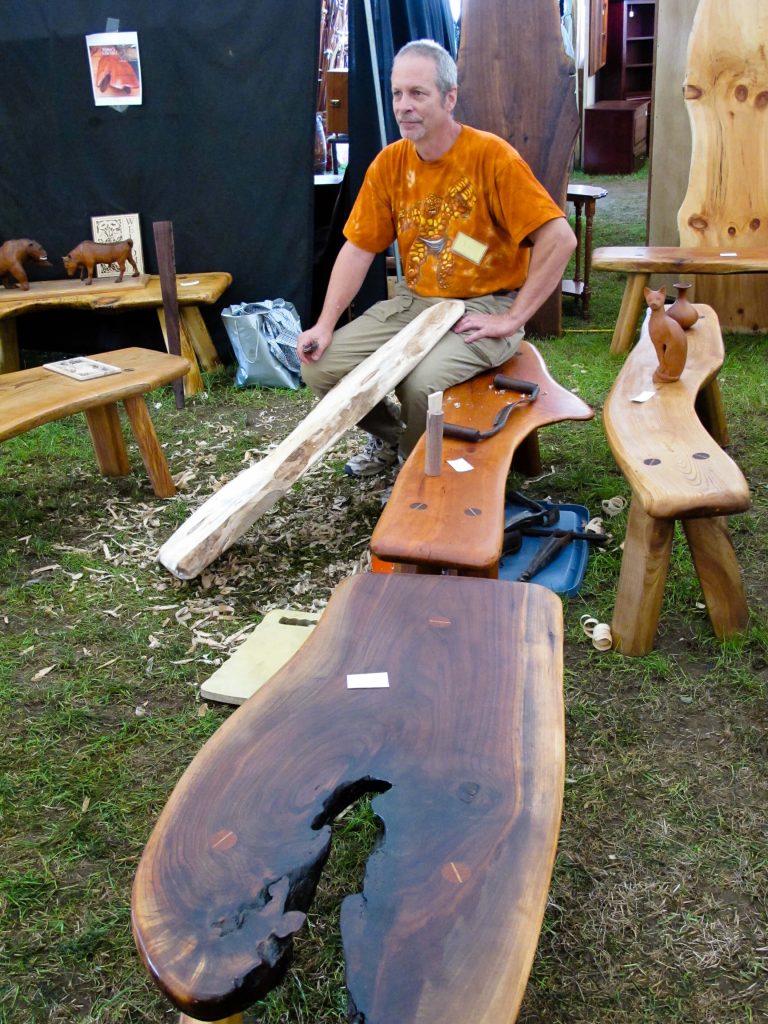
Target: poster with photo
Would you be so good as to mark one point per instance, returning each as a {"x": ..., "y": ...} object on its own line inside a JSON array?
[
  {"x": 117, "y": 227},
  {"x": 113, "y": 62}
]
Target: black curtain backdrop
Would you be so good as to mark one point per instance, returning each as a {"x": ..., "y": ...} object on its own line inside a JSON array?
[
  {"x": 396, "y": 22},
  {"x": 222, "y": 146}
]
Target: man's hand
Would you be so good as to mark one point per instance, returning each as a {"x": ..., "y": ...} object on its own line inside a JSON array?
[
  {"x": 485, "y": 325},
  {"x": 311, "y": 343}
]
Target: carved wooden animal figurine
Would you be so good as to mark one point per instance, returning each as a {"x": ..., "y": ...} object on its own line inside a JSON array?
[
  {"x": 12, "y": 255},
  {"x": 88, "y": 254},
  {"x": 668, "y": 338}
]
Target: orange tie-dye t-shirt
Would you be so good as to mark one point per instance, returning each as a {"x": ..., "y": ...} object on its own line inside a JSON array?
[{"x": 461, "y": 222}]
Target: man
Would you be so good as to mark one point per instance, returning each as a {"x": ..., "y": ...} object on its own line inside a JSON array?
[{"x": 471, "y": 222}]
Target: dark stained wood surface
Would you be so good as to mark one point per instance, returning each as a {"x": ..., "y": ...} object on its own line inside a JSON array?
[
  {"x": 515, "y": 80},
  {"x": 465, "y": 748},
  {"x": 456, "y": 520}
]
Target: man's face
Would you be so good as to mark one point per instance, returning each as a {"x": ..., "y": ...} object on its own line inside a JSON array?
[{"x": 420, "y": 110}]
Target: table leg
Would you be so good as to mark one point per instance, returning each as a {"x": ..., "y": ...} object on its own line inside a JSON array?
[
  {"x": 9, "y": 346},
  {"x": 631, "y": 305},
  {"x": 193, "y": 381},
  {"x": 108, "y": 442},
  {"x": 719, "y": 574},
  {"x": 151, "y": 452},
  {"x": 193, "y": 325},
  {"x": 643, "y": 575},
  {"x": 527, "y": 457},
  {"x": 589, "y": 212},
  {"x": 577, "y": 208}
]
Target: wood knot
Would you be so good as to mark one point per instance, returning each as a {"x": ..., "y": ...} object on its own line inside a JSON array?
[
  {"x": 741, "y": 92},
  {"x": 754, "y": 224},
  {"x": 761, "y": 100},
  {"x": 731, "y": 230},
  {"x": 697, "y": 222},
  {"x": 692, "y": 92}
]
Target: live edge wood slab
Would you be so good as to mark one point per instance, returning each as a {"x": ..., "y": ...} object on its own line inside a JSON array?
[
  {"x": 456, "y": 520},
  {"x": 668, "y": 448},
  {"x": 30, "y": 398},
  {"x": 465, "y": 748}
]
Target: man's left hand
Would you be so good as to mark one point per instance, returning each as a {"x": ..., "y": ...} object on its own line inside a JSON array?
[{"x": 477, "y": 326}]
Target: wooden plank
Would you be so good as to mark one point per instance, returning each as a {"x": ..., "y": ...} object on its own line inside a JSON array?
[
  {"x": 663, "y": 259},
  {"x": 445, "y": 929},
  {"x": 29, "y": 398},
  {"x": 235, "y": 508},
  {"x": 673, "y": 465},
  {"x": 56, "y": 290},
  {"x": 166, "y": 265},
  {"x": 726, "y": 203},
  {"x": 525, "y": 94}
]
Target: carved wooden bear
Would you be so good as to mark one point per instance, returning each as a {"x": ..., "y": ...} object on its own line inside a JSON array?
[
  {"x": 12, "y": 255},
  {"x": 88, "y": 254}
]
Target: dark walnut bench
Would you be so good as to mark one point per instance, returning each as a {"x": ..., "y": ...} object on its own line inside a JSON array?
[
  {"x": 29, "y": 398},
  {"x": 668, "y": 448},
  {"x": 465, "y": 749},
  {"x": 639, "y": 262},
  {"x": 456, "y": 520}
]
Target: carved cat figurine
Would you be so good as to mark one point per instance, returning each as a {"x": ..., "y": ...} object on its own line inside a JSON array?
[{"x": 668, "y": 338}]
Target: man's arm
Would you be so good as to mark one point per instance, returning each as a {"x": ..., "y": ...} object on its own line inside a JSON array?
[
  {"x": 347, "y": 276},
  {"x": 552, "y": 245}
]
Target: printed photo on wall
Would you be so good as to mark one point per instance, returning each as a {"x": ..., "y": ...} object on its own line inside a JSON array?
[{"x": 113, "y": 60}]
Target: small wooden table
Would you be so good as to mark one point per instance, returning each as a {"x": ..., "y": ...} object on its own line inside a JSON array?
[
  {"x": 584, "y": 199},
  {"x": 105, "y": 295},
  {"x": 30, "y": 398},
  {"x": 638, "y": 262}
]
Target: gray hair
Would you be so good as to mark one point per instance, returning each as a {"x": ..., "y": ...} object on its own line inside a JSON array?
[{"x": 446, "y": 75}]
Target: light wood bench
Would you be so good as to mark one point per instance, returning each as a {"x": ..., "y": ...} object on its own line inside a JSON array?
[
  {"x": 639, "y": 262},
  {"x": 456, "y": 520},
  {"x": 672, "y": 460},
  {"x": 29, "y": 398},
  {"x": 105, "y": 295},
  {"x": 470, "y": 795}
]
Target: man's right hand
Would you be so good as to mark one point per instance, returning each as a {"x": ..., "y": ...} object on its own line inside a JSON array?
[{"x": 311, "y": 343}]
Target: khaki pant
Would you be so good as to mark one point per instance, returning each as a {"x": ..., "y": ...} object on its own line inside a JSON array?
[{"x": 450, "y": 361}]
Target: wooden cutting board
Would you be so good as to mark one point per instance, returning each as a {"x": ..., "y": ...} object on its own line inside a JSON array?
[
  {"x": 726, "y": 204},
  {"x": 516, "y": 80}
]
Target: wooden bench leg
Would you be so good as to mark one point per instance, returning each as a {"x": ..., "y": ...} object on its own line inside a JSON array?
[
  {"x": 193, "y": 381},
  {"x": 710, "y": 410},
  {"x": 718, "y": 571},
  {"x": 149, "y": 446},
  {"x": 108, "y": 442},
  {"x": 527, "y": 457},
  {"x": 631, "y": 305},
  {"x": 193, "y": 325},
  {"x": 644, "y": 565},
  {"x": 9, "y": 346}
]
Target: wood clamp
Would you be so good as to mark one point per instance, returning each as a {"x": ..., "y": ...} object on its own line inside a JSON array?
[{"x": 529, "y": 392}]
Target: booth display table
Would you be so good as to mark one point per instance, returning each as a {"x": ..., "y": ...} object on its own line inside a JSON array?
[{"x": 105, "y": 295}]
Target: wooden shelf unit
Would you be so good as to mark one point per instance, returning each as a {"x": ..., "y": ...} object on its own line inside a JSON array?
[{"x": 628, "y": 71}]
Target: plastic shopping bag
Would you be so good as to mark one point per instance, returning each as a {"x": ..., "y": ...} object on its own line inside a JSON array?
[{"x": 263, "y": 336}]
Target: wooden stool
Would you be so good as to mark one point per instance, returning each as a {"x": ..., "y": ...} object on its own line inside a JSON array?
[
  {"x": 29, "y": 398},
  {"x": 639, "y": 262},
  {"x": 676, "y": 469},
  {"x": 456, "y": 520},
  {"x": 465, "y": 747}
]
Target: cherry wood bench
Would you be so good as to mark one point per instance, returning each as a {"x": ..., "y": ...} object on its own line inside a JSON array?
[
  {"x": 456, "y": 520},
  {"x": 29, "y": 398},
  {"x": 639, "y": 262},
  {"x": 105, "y": 295},
  {"x": 668, "y": 449},
  {"x": 465, "y": 749}
]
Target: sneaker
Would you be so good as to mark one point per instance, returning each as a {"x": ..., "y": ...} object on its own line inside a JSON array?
[{"x": 374, "y": 458}]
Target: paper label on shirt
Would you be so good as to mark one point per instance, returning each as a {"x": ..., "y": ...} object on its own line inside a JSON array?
[
  {"x": 460, "y": 465},
  {"x": 367, "y": 680},
  {"x": 469, "y": 248}
]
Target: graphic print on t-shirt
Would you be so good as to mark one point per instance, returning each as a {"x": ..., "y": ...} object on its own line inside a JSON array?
[{"x": 433, "y": 218}]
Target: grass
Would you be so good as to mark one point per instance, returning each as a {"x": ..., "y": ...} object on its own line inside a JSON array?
[{"x": 657, "y": 909}]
